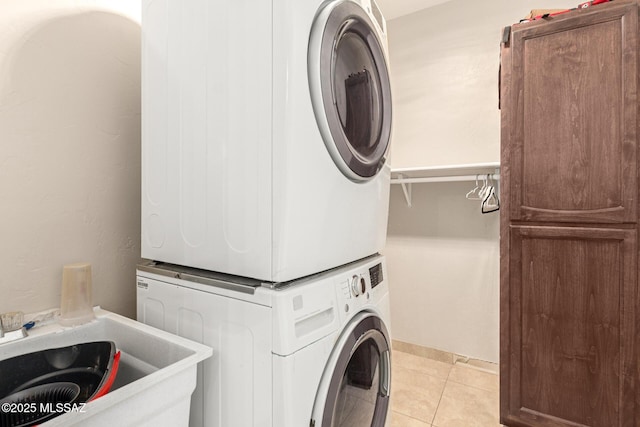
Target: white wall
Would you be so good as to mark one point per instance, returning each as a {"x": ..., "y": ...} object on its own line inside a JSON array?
[
  {"x": 70, "y": 149},
  {"x": 442, "y": 257},
  {"x": 443, "y": 254}
]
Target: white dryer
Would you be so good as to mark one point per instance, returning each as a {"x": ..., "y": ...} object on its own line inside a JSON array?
[
  {"x": 315, "y": 352},
  {"x": 265, "y": 134}
]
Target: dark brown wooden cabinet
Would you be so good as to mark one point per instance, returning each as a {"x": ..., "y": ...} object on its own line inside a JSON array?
[
  {"x": 568, "y": 297},
  {"x": 569, "y": 220},
  {"x": 573, "y": 117}
]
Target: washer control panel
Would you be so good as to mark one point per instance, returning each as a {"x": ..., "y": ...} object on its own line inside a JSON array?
[
  {"x": 359, "y": 284},
  {"x": 361, "y": 287},
  {"x": 354, "y": 286}
]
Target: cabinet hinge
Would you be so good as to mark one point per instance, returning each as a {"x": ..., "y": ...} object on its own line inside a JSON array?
[{"x": 506, "y": 35}]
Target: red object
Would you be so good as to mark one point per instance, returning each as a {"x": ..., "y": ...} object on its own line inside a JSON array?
[
  {"x": 580, "y": 6},
  {"x": 592, "y": 3},
  {"x": 109, "y": 382},
  {"x": 550, "y": 14}
]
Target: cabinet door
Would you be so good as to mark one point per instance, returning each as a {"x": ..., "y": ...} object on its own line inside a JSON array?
[
  {"x": 572, "y": 136},
  {"x": 569, "y": 313}
]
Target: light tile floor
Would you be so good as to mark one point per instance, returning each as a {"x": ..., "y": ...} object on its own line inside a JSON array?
[{"x": 425, "y": 392}]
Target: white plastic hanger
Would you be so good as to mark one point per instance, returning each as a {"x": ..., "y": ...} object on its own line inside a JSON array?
[{"x": 475, "y": 193}]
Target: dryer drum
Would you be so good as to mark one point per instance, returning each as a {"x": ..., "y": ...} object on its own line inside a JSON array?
[
  {"x": 351, "y": 90},
  {"x": 359, "y": 105}
]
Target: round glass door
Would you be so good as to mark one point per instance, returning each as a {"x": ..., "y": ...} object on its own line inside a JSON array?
[
  {"x": 358, "y": 391},
  {"x": 350, "y": 89}
]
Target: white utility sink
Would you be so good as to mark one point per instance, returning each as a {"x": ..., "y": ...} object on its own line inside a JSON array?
[{"x": 155, "y": 379}]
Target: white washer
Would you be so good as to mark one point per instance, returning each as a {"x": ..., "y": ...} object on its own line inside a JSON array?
[
  {"x": 314, "y": 352},
  {"x": 265, "y": 134}
]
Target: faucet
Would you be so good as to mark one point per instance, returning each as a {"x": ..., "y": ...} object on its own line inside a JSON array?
[{"x": 11, "y": 328}]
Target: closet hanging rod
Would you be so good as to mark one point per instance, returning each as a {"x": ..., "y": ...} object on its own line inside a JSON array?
[
  {"x": 406, "y": 182},
  {"x": 456, "y": 178}
]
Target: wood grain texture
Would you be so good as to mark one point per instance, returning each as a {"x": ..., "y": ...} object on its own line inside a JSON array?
[
  {"x": 505, "y": 177},
  {"x": 574, "y": 151},
  {"x": 568, "y": 362},
  {"x": 569, "y": 295}
]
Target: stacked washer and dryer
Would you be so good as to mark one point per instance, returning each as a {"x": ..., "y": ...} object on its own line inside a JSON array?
[{"x": 265, "y": 192}]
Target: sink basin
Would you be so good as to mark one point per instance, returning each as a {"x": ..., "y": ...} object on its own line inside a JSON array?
[
  {"x": 155, "y": 377},
  {"x": 73, "y": 375}
]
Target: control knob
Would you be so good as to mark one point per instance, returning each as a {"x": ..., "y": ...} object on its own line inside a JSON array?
[
  {"x": 358, "y": 285},
  {"x": 355, "y": 286}
]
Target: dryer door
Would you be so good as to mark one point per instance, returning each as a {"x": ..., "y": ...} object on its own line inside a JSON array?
[
  {"x": 350, "y": 88},
  {"x": 354, "y": 390}
]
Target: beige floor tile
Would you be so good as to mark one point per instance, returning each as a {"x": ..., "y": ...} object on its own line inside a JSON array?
[
  {"x": 420, "y": 364},
  {"x": 473, "y": 377},
  {"x": 465, "y": 406},
  {"x": 397, "y": 419},
  {"x": 415, "y": 394}
]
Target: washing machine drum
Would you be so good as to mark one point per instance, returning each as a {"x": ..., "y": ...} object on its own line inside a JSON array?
[
  {"x": 355, "y": 387},
  {"x": 350, "y": 88}
]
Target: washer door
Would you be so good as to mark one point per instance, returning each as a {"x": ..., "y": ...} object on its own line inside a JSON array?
[
  {"x": 354, "y": 390},
  {"x": 350, "y": 88}
]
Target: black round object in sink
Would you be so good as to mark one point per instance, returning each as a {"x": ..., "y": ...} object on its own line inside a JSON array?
[
  {"x": 37, "y": 404},
  {"x": 90, "y": 366},
  {"x": 88, "y": 380}
]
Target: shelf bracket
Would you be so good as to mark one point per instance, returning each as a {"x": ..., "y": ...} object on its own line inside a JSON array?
[{"x": 406, "y": 189}]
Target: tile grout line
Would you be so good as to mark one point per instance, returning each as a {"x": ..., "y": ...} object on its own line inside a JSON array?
[
  {"x": 475, "y": 368},
  {"x": 440, "y": 400},
  {"x": 497, "y": 377},
  {"x": 430, "y": 423},
  {"x": 472, "y": 386},
  {"x": 411, "y": 416}
]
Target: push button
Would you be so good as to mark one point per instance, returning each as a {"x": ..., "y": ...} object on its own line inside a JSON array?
[{"x": 346, "y": 292}]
